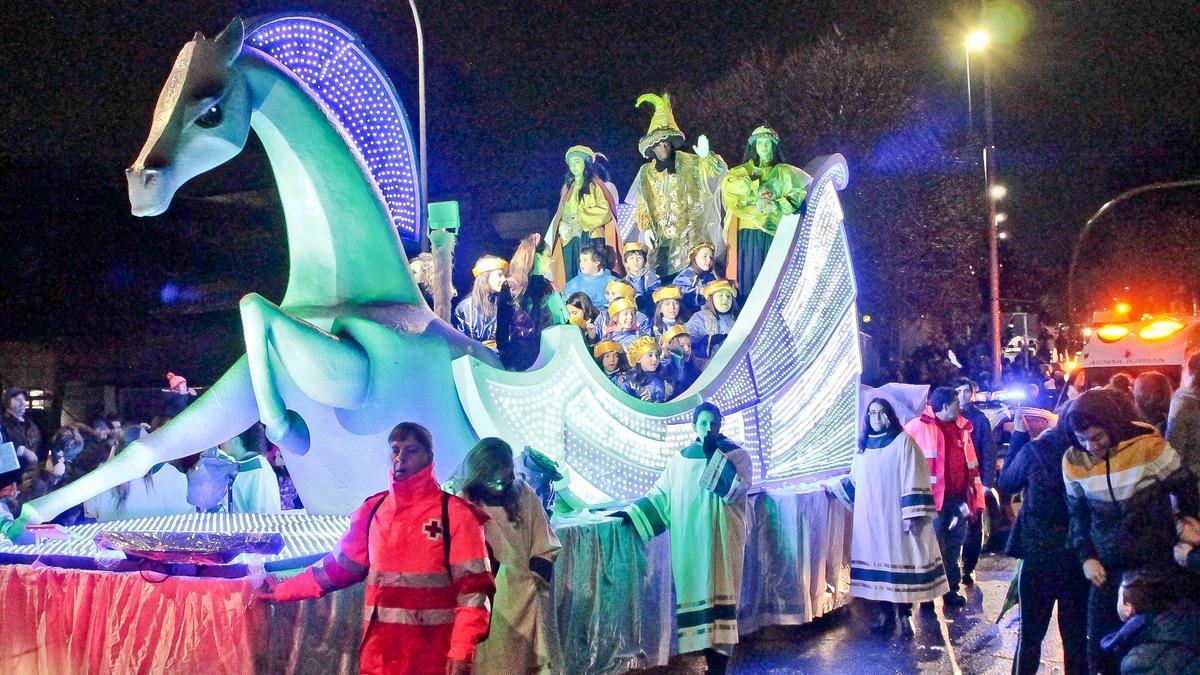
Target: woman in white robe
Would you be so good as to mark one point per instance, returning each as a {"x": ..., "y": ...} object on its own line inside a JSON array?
[
  {"x": 894, "y": 555},
  {"x": 521, "y": 539}
]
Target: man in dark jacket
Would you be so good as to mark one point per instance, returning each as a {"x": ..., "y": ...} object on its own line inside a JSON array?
[
  {"x": 985, "y": 449},
  {"x": 1049, "y": 571}
]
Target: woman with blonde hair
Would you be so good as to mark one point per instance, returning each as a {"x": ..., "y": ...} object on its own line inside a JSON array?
[{"x": 521, "y": 539}]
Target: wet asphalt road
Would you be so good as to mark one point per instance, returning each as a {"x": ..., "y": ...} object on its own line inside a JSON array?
[{"x": 966, "y": 640}]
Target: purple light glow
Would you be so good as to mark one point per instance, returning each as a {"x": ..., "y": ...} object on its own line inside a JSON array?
[{"x": 360, "y": 99}]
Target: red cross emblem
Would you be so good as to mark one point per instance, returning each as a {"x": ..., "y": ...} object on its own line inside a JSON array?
[{"x": 433, "y": 530}]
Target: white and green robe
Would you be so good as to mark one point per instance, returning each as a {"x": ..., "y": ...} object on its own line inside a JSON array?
[
  {"x": 888, "y": 484},
  {"x": 703, "y": 502}
]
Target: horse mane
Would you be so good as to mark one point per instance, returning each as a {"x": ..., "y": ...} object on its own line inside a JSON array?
[{"x": 356, "y": 96}]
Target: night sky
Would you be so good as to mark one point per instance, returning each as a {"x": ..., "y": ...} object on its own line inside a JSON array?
[{"x": 1090, "y": 99}]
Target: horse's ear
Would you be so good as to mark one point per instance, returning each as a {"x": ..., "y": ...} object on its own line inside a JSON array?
[{"x": 229, "y": 42}]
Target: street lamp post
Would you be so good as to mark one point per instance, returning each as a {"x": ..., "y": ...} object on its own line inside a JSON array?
[{"x": 977, "y": 41}]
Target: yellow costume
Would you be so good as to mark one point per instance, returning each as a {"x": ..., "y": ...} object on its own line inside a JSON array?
[
  {"x": 756, "y": 199},
  {"x": 583, "y": 220}
]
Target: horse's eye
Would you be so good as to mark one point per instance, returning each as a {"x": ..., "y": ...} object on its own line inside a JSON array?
[{"x": 210, "y": 118}]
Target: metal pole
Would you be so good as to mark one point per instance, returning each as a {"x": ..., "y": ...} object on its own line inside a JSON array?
[
  {"x": 970, "y": 107},
  {"x": 424, "y": 156},
  {"x": 993, "y": 228}
]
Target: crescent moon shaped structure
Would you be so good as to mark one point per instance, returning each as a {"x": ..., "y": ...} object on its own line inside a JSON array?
[
  {"x": 786, "y": 376},
  {"x": 352, "y": 348}
]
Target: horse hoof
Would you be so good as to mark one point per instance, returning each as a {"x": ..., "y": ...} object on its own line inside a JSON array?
[{"x": 291, "y": 434}]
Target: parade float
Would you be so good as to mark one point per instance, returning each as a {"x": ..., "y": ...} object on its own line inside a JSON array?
[{"x": 352, "y": 349}]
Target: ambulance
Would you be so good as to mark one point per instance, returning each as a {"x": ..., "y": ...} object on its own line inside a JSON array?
[{"x": 1161, "y": 342}]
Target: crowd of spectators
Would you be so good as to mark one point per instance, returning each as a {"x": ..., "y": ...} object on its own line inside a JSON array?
[{"x": 252, "y": 477}]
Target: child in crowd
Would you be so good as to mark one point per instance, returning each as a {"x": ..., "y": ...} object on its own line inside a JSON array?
[
  {"x": 610, "y": 356},
  {"x": 620, "y": 289},
  {"x": 623, "y": 328},
  {"x": 643, "y": 379},
  {"x": 712, "y": 323},
  {"x": 584, "y": 314},
  {"x": 593, "y": 277},
  {"x": 668, "y": 310},
  {"x": 701, "y": 271},
  {"x": 1161, "y": 631},
  {"x": 678, "y": 366},
  {"x": 640, "y": 276},
  {"x": 475, "y": 316},
  {"x": 255, "y": 488}
]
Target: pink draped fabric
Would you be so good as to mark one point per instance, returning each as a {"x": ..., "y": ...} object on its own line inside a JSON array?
[{"x": 75, "y": 621}]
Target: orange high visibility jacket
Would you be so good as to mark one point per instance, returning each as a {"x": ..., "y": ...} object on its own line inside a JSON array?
[
  {"x": 924, "y": 430},
  {"x": 419, "y": 610}
]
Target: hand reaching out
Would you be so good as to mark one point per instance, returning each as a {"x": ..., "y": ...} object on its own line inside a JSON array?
[
  {"x": 701, "y": 146},
  {"x": 1189, "y": 530},
  {"x": 1095, "y": 572}
]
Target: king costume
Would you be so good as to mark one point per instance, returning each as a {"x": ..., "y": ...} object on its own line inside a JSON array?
[
  {"x": 889, "y": 484},
  {"x": 677, "y": 198},
  {"x": 586, "y": 216},
  {"x": 702, "y": 500}
]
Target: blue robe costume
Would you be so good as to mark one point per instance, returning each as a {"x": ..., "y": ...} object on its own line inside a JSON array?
[
  {"x": 593, "y": 285},
  {"x": 624, "y": 337},
  {"x": 690, "y": 283},
  {"x": 666, "y": 323},
  {"x": 645, "y": 385},
  {"x": 645, "y": 284},
  {"x": 708, "y": 330},
  {"x": 679, "y": 372},
  {"x": 469, "y": 321}
]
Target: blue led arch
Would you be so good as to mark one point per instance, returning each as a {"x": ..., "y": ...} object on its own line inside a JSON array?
[{"x": 358, "y": 99}]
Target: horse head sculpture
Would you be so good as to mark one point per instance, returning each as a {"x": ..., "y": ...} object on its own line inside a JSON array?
[{"x": 201, "y": 120}]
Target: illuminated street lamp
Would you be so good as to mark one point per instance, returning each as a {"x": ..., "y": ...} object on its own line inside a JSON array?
[
  {"x": 1002, "y": 235},
  {"x": 977, "y": 40},
  {"x": 1001, "y": 217},
  {"x": 997, "y": 192}
]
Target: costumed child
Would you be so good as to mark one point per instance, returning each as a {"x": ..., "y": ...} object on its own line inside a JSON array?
[
  {"x": 592, "y": 278},
  {"x": 668, "y": 310},
  {"x": 712, "y": 323},
  {"x": 620, "y": 289},
  {"x": 586, "y": 215},
  {"x": 643, "y": 379},
  {"x": 475, "y": 316},
  {"x": 678, "y": 365},
  {"x": 889, "y": 491},
  {"x": 583, "y": 313},
  {"x": 610, "y": 356},
  {"x": 757, "y": 194},
  {"x": 623, "y": 328},
  {"x": 519, "y": 535},
  {"x": 255, "y": 488},
  {"x": 640, "y": 276},
  {"x": 700, "y": 272}
]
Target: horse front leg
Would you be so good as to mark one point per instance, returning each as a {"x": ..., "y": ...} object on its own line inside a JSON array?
[
  {"x": 327, "y": 369},
  {"x": 225, "y": 410}
]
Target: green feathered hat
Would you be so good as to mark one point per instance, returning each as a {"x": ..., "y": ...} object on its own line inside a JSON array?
[{"x": 662, "y": 124}]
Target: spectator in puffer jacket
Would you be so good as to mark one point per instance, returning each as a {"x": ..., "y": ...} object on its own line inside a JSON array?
[
  {"x": 1161, "y": 635},
  {"x": 1049, "y": 573},
  {"x": 1119, "y": 489}
]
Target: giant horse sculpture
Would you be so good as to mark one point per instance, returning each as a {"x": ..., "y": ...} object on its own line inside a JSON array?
[{"x": 352, "y": 348}]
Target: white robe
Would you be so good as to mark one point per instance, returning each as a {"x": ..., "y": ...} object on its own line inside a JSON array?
[
  {"x": 255, "y": 488},
  {"x": 886, "y": 486},
  {"x": 703, "y": 502},
  {"x": 517, "y": 642}
]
